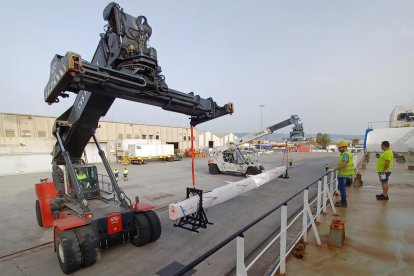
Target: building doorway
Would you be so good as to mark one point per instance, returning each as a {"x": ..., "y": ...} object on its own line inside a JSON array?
[{"x": 173, "y": 143}]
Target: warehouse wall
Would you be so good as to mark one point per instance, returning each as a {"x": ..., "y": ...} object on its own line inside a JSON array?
[
  {"x": 206, "y": 137},
  {"x": 29, "y": 134},
  {"x": 25, "y": 163},
  {"x": 24, "y": 145}
]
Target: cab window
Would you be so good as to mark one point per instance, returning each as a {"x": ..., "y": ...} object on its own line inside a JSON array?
[
  {"x": 87, "y": 178},
  {"x": 228, "y": 157}
]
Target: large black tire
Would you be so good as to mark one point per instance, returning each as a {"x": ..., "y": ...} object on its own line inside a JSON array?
[
  {"x": 144, "y": 162},
  {"x": 155, "y": 225},
  {"x": 68, "y": 251},
  {"x": 213, "y": 169},
  {"x": 88, "y": 245},
  {"x": 143, "y": 230},
  {"x": 39, "y": 214},
  {"x": 252, "y": 171},
  {"x": 139, "y": 162}
]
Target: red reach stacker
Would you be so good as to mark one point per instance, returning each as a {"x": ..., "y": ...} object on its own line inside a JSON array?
[{"x": 90, "y": 211}]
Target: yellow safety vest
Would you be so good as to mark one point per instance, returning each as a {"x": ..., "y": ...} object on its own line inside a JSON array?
[
  {"x": 125, "y": 171},
  {"x": 328, "y": 165},
  {"x": 349, "y": 169},
  {"x": 80, "y": 177}
]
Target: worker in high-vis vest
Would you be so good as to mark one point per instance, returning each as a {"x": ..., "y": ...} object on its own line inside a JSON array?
[
  {"x": 125, "y": 174},
  {"x": 290, "y": 163},
  {"x": 345, "y": 170},
  {"x": 116, "y": 173},
  {"x": 326, "y": 167},
  {"x": 384, "y": 167},
  {"x": 81, "y": 176}
]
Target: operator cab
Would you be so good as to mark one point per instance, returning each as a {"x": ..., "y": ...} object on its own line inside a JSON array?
[
  {"x": 234, "y": 157},
  {"x": 87, "y": 177}
]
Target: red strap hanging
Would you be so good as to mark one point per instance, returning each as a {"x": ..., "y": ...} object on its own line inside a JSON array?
[{"x": 192, "y": 155}]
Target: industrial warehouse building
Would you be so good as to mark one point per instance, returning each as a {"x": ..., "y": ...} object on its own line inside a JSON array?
[
  {"x": 26, "y": 141},
  {"x": 211, "y": 140}
]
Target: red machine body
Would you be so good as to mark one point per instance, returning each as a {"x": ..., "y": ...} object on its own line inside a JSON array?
[{"x": 44, "y": 192}]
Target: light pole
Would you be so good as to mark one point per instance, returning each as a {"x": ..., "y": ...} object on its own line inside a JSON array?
[{"x": 261, "y": 124}]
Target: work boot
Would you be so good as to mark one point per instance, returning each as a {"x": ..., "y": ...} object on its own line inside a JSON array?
[
  {"x": 383, "y": 197},
  {"x": 339, "y": 204},
  {"x": 379, "y": 195}
]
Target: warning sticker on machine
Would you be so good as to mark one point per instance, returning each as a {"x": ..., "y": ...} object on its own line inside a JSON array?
[{"x": 114, "y": 222}]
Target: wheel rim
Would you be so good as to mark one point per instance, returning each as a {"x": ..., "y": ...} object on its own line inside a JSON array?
[
  {"x": 137, "y": 235},
  {"x": 61, "y": 253}
]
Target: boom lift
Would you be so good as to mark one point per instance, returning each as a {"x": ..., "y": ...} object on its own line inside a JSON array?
[
  {"x": 230, "y": 159},
  {"x": 84, "y": 216}
]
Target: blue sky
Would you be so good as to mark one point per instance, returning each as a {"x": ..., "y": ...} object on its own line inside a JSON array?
[{"x": 337, "y": 64}]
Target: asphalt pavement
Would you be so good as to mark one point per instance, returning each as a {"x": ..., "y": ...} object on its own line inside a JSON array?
[{"x": 160, "y": 183}]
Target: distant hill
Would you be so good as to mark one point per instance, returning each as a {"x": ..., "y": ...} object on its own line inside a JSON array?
[{"x": 284, "y": 135}]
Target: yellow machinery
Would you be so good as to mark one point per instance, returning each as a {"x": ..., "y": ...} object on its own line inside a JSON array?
[{"x": 142, "y": 160}]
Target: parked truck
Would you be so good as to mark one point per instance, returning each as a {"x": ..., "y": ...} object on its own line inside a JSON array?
[{"x": 137, "y": 151}]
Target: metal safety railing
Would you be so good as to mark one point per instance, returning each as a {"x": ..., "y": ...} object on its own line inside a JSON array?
[
  {"x": 324, "y": 192},
  {"x": 105, "y": 183},
  {"x": 358, "y": 158}
]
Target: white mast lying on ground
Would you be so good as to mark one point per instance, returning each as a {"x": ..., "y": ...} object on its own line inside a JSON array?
[{"x": 189, "y": 206}]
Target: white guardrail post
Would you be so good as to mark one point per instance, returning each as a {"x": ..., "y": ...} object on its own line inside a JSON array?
[
  {"x": 318, "y": 202},
  {"x": 332, "y": 183},
  {"x": 305, "y": 218},
  {"x": 336, "y": 182},
  {"x": 240, "y": 267},
  {"x": 308, "y": 210},
  {"x": 283, "y": 224},
  {"x": 355, "y": 159},
  {"x": 325, "y": 179},
  {"x": 327, "y": 193}
]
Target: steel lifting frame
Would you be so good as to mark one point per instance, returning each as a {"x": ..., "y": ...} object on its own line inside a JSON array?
[{"x": 196, "y": 220}]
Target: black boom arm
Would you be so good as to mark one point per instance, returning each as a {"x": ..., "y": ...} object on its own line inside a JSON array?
[{"x": 124, "y": 66}]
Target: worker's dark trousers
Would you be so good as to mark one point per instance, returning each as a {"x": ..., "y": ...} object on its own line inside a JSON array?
[
  {"x": 326, "y": 169},
  {"x": 342, "y": 189}
]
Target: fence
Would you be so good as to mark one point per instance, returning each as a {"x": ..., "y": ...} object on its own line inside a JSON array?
[
  {"x": 358, "y": 157},
  {"x": 325, "y": 191},
  {"x": 105, "y": 183}
]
